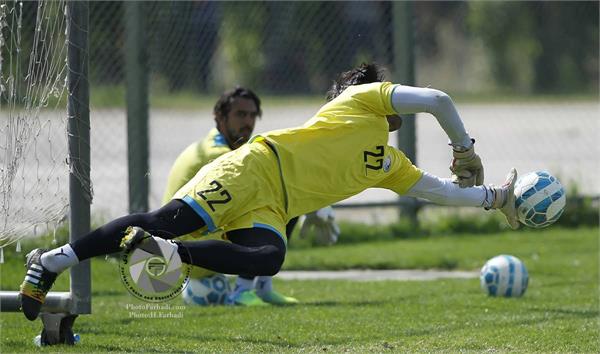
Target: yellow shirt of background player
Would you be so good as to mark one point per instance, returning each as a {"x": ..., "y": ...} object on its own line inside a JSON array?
[
  {"x": 192, "y": 159},
  {"x": 342, "y": 151}
]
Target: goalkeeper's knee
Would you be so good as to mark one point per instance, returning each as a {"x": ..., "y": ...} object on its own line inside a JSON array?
[{"x": 270, "y": 262}]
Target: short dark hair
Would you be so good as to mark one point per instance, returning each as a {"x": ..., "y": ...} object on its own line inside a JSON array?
[
  {"x": 364, "y": 74},
  {"x": 223, "y": 105}
]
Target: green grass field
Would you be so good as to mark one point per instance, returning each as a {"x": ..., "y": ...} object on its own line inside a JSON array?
[{"x": 559, "y": 312}]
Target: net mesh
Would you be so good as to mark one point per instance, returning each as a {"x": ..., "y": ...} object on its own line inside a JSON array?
[
  {"x": 33, "y": 150},
  {"x": 197, "y": 49}
]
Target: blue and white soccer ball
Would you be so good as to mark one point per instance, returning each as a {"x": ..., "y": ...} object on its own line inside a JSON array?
[
  {"x": 540, "y": 199},
  {"x": 504, "y": 275},
  {"x": 212, "y": 290}
]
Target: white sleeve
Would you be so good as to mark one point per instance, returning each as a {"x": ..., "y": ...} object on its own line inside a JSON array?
[
  {"x": 409, "y": 100},
  {"x": 443, "y": 192}
]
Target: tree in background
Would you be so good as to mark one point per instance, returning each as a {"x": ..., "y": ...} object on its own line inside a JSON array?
[
  {"x": 541, "y": 47},
  {"x": 297, "y": 47},
  {"x": 106, "y": 42},
  {"x": 241, "y": 38}
]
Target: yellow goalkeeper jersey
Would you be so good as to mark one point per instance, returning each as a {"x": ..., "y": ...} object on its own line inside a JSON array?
[
  {"x": 192, "y": 159},
  {"x": 341, "y": 151},
  {"x": 187, "y": 164}
]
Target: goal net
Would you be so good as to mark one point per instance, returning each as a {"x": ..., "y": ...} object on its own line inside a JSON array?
[{"x": 34, "y": 160}]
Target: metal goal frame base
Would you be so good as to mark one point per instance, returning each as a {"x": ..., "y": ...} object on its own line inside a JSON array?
[{"x": 58, "y": 329}]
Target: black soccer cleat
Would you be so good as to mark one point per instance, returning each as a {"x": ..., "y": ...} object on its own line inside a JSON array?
[{"x": 38, "y": 281}]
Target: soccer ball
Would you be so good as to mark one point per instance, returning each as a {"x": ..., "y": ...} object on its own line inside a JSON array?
[
  {"x": 504, "y": 275},
  {"x": 540, "y": 199},
  {"x": 212, "y": 290}
]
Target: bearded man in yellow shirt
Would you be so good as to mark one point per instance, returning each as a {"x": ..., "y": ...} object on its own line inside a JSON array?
[{"x": 251, "y": 193}]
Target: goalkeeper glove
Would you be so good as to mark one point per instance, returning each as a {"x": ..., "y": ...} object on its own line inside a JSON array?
[
  {"x": 323, "y": 223},
  {"x": 466, "y": 167}
]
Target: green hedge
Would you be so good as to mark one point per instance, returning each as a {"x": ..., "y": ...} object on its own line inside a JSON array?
[{"x": 580, "y": 211}]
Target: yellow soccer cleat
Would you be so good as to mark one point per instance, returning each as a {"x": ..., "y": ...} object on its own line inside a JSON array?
[
  {"x": 274, "y": 298},
  {"x": 36, "y": 285}
]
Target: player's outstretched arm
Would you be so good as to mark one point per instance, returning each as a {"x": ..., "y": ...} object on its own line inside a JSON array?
[{"x": 466, "y": 166}]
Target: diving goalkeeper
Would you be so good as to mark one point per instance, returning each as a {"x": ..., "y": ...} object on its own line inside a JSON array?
[
  {"x": 251, "y": 193},
  {"x": 235, "y": 114}
]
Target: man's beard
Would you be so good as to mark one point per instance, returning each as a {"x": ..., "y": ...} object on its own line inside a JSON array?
[{"x": 241, "y": 138}]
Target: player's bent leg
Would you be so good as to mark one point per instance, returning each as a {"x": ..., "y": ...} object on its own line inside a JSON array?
[
  {"x": 263, "y": 285},
  {"x": 172, "y": 220},
  {"x": 251, "y": 251}
]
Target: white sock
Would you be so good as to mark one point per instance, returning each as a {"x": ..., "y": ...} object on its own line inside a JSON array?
[
  {"x": 263, "y": 284},
  {"x": 59, "y": 259},
  {"x": 242, "y": 284}
]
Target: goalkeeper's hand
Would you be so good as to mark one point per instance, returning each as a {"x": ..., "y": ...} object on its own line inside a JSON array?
[
  {"x": 466, "y": 167},
  {"x": 323, "y": 223}
]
